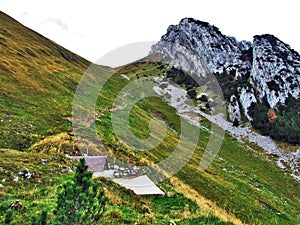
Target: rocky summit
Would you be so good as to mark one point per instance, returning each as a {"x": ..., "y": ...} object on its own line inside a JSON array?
[
  {"x": 275, "y": 72},
  {"x": 267, "y": 70}
]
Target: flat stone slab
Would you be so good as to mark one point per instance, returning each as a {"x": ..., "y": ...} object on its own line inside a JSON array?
[{"x": 141, "y": 185}]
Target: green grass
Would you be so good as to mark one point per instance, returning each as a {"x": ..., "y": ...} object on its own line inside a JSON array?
[
  {"x": 243, "y": 180},
  {"x": 36, "y": 193},
  {"x": 39, "y": 193},
  {"x": 38, "y": 79},
  {"x": 204, "y": 221}
]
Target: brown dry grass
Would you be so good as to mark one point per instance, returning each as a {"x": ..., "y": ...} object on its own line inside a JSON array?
[{"x": 207, "y": 206}]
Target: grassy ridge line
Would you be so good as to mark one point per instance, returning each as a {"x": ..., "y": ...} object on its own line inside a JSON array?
[{"x": 38, "y": 79}]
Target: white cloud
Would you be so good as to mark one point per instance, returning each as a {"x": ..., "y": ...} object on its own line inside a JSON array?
[{"x": 58, "y": 22}]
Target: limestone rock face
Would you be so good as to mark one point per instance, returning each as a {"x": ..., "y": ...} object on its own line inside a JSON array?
[
  {"x": 276, "y": 69},
  {"x": 269, "y": 67},
  {"x": 234, "y": 109}
]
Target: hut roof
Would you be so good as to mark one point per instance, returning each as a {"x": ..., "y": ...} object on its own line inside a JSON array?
[{"x": 95, "y": 163}]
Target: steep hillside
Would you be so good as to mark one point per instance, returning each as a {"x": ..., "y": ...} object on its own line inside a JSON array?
[
  {"x": 242, "y": 185},
  {"x": 38, "y": 82},
  {"x": 38, "y": 79},
  {"x": 242, "y": 179}
]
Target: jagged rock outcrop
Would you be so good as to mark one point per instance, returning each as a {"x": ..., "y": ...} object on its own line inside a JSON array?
[
  {"x": 234, "y": 110},
  {"x": 276, "y": 69},
  {"x": 200, "y": 47},
  {"x": 269, "y": 69},
  {"x": 247, "y": 98}
]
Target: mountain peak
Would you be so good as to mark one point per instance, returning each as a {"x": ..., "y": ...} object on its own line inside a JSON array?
[
  {"x": 275, "y": 43},
  {"x": 271, "y": 65},
  {"x": 276, "y": 69},
  {"x": 215, "y": 50},
  {"x": 190, "y": 20}
]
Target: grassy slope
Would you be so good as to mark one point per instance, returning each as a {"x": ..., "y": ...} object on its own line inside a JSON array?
[
  {"x": 242, "y": 180},
  {"x": 124, "y": 207},
  {"x": 37, "y": 88},
  {"x": 38, "y": 80},
  {"x": 36, "y": 193}
]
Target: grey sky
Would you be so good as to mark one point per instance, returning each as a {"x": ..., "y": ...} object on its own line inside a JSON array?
[{"x": 93, "y": 28}]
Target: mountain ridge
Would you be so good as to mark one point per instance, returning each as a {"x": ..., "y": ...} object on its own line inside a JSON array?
[
  {"x": 37, "y": 76},
  {"x": 219, "y": 51},
  {"x": 263, "y": 72}
]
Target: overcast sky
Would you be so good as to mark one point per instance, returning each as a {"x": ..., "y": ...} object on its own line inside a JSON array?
[{"x": 92, "y": 28}]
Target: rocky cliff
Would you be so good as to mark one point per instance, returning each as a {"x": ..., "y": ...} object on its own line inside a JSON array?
[
  {"x": 275, "y": 72},
  {"x": 265, "y": 70}
]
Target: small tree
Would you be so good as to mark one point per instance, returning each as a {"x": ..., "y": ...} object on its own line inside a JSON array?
[
  {"x": 81, "y": 200},
  {"x": 8, "y": 217},
  {"x": 42, "y": 219}
]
